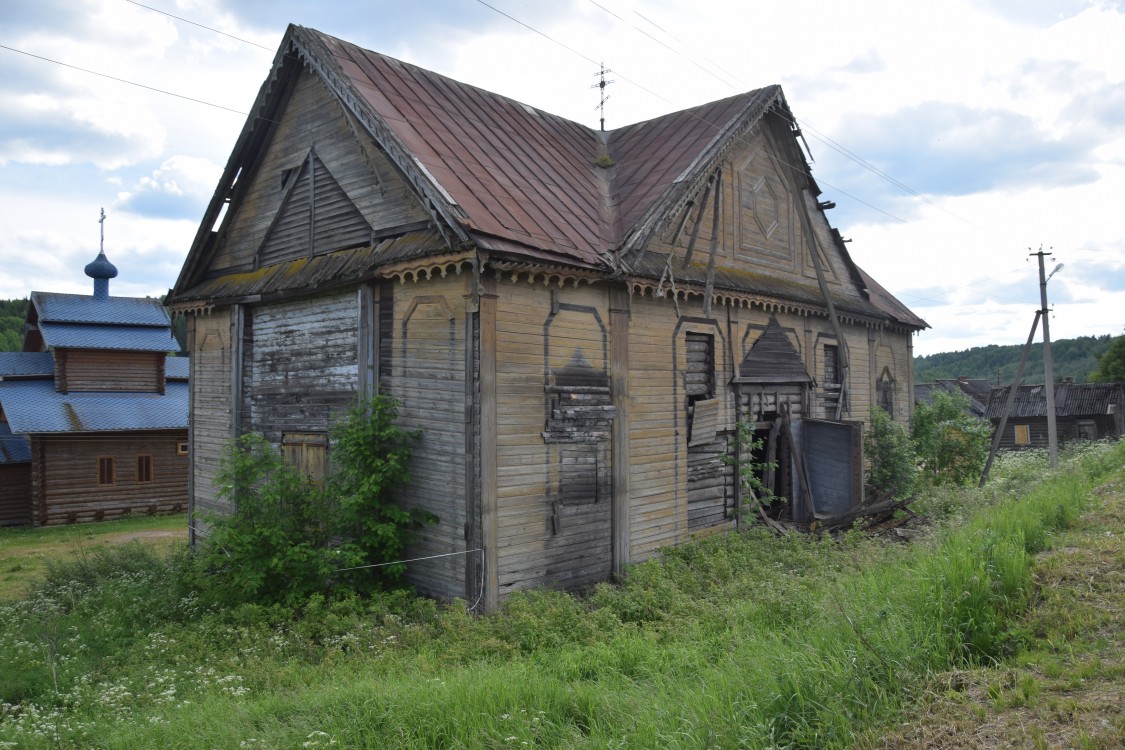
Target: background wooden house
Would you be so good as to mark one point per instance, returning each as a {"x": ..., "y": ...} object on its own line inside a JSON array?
[
  {"x": 1083, "y": 411},
  {"x": 93, "y": 414},
  {"x": 575, "y": 319},
  {"x": 976, "y": 391}
]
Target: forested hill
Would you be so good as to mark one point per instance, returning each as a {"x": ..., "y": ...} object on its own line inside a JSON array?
[
  {"x": 1073, "y": 358},
  {"x": 12, "y": 313}
]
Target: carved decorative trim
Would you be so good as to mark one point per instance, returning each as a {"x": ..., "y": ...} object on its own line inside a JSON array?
[
  {"x": 546, "y": 274},
  {"x": 426, "y": 268}
]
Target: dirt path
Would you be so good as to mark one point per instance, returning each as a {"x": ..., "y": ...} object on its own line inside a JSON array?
[{"x": 1066, "y": 686}]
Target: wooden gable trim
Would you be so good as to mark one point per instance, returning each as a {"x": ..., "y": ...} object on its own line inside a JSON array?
[
  {"x": 435, "y": 200},
  {"x": 697, "y": 175},
  {"x": 244, "y": 161}
]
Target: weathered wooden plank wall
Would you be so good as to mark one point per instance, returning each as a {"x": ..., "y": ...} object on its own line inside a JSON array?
[
  {"x": 428, "y": 376},
  {"x": 72, "y": 493},
  {"x": 554, "y": 456},
  {"x": 300, "y": 365},
  {"x": 210, "y": 406}
]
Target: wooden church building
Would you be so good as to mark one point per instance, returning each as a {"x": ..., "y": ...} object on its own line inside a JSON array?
[
  {"x": 93, "y": 413},
  {"x": 575, "y": 319}
]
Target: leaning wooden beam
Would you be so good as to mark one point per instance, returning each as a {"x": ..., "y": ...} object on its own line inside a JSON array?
[
  {"x": 814, "y": 250},
  {"x": 1008, "y": 404},
  {"x": 709, "y": 288},
  {"x": 698, "y": 221}
]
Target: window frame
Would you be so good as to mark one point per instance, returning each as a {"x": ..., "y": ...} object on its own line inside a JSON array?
[
  {"x": 107, "y": 471},
  {"x": 145, "y": 471}
]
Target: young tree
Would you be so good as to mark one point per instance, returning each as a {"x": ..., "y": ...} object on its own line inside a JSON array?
[
  {"x": 951, "y": 443},
  {"x": 893, "y": 464}
]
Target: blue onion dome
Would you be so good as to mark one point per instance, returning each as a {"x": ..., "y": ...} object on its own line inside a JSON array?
[{"x": 101, "y": 268}]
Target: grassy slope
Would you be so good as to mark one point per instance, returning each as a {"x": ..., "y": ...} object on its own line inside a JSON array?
[
  {"x": 739, "y": 641},
  {"x": 1065, "y": 688}
]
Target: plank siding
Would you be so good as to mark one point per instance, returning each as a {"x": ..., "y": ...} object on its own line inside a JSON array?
[
  {"x": 428, "y": 364},
  {"x": 300, "y": 365},
  {"x": 72, "y": 493},
  {"x": 210, "y": 408},
  {"x": 553, "y": 454},
  {"x": 313, "y": 119}
]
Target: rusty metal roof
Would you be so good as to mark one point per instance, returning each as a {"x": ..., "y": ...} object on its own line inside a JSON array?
[
  {"x": 514, "y": 171},
  {"x": 1071, "y": 400}
]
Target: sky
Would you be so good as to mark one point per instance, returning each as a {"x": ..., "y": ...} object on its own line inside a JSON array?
[{"x": 956, "y": 138}]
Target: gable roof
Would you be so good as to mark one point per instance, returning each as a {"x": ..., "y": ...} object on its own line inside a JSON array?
[
  {"x": 1071, "y": 400},
  {"x": 504, "y": 176},
  {"x": 35, "y": 407},
  {"x": 79, "y": 321}
]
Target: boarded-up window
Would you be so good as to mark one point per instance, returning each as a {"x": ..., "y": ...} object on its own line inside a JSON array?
[
  {"x": 886, "y": 393},
  {"x": 308, "y": 453},
  {"x": 105, "y": 470},
  {"x": 144, "y": 468},
  {"x": 831, "y": 365},
  {"x": 699, "y": 379},
  {"x": 1023, "y": 434}
]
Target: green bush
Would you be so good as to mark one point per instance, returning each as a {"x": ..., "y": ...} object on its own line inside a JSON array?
[
  {"x": 893, "y": 464},
  {"x": 952, "y": 445},
  {"x": 288, "y": 538}
]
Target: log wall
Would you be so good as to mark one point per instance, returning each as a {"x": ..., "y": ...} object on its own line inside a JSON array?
[
  {"x": 99, "y": 370},
  {"x": 15, "y": 494},
  {"x": 66, "y": 484}
]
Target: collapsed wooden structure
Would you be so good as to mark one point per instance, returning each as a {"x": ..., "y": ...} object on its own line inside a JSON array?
[{"x": 575, "y": 319}]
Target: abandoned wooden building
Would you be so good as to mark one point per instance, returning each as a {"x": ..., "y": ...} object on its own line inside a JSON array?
[
  {"x": 1083, "y": 411},
  {"x": 93, "y": 413},
  {"x": 575, "y": 319}
]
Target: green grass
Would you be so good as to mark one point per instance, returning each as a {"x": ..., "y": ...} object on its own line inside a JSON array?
[
  {"x": 739, "y": 640},
  {"x": 25, "y": 553}
]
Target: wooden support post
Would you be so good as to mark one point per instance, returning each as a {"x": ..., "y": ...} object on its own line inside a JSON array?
[
  {"x": 1008, "y": 404},
  {"x": 488, "y": 478},
  {"x": 619, "y": 390}
]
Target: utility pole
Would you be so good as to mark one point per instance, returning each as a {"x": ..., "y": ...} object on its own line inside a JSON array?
[{"x": 1048, "y": 365}]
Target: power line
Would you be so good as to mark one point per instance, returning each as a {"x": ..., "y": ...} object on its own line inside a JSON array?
[
  {"x": 124, "y": 80},
  {"x": 193, "y": 23}
]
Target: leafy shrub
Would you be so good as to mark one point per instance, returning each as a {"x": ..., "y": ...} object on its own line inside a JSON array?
[
  {"x": 893, "y": 467},
  {"x": 288, "y": 538},
  {"x": 952, "y": 445}
]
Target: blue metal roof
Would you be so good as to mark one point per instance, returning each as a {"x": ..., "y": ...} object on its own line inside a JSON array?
[
  {"x": 26, "y": 364},
  {"x": 13, "y": 448},
  {"x": 108, "y": 336},
  {"x": 176, "y": 368},
  {"x": 34, "y": 406},
  {"x": 54, "y": 307}
]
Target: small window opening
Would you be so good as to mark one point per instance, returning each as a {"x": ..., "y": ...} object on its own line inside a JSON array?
[
  {"x": 144, "y": 468},
  {"x": 181, "y": 447},
  {"x": 831, "y": 365},
  {"x": 106, "y": 470},
  {"x": 699, "y": 378}
]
